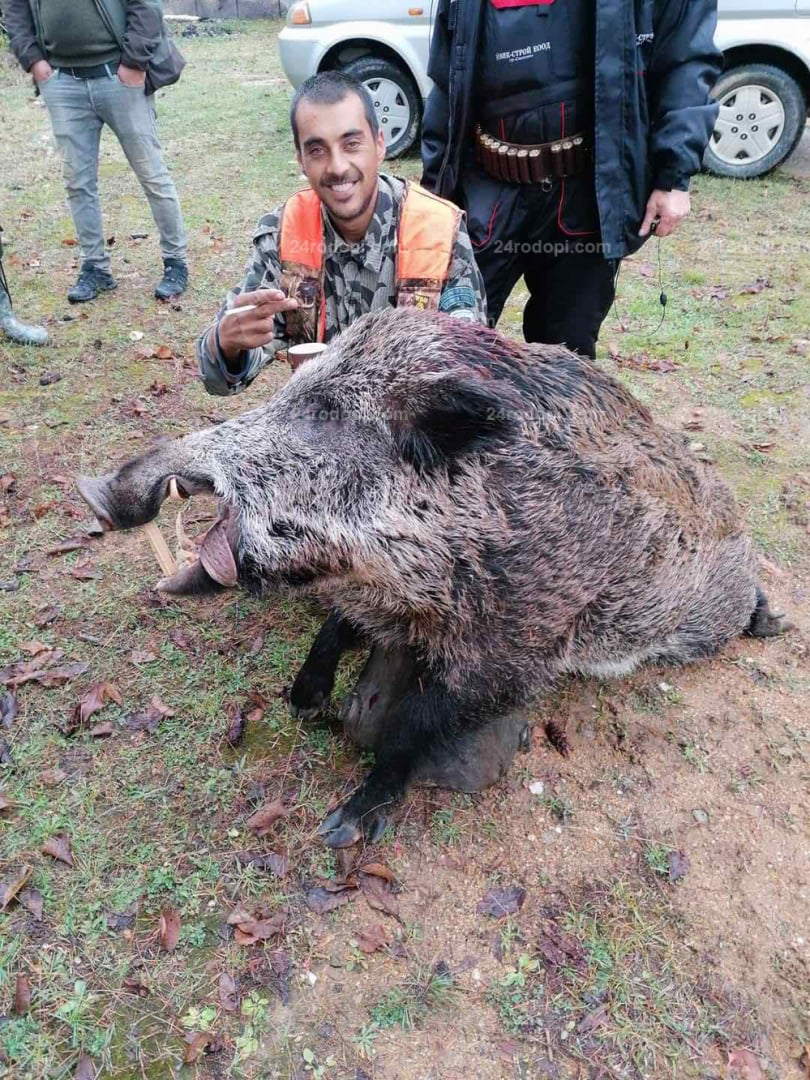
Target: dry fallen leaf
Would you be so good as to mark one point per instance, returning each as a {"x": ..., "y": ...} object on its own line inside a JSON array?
[
  {"x": 6, "y": 803},
  {"x": 31, "y": 900},
  {"x": 169, "y": 929},
  {"x": 228, "y": 993},
  {"x": 22, "y": 995},
  {"x": 501, "y": 902},
  {"x": 556, "y": 733},
  {"x": 378, "y": 895},
  {"x": 8, "y": 892},
  {"x": 321, "y": 900},
  {"x": 371, "y": 939},
  {"x": 272, "y": 861},
  {"x": 678, "y": 864},
  {"x": 92, "y": 702},
  {"x": 266, "y": 816},
  {"x": 197, "y": 1042},
  {"x": 8, "y": 709},
  {"x": 58, "y": 847},
  {"x": 252, "y": 928},
  {"x": 236, "y": 727},
  {"x": 744, "y": 1065},
  {"x": 150, "y": 718},
  {"x": 377, "y": 870},
  {"x": 85, "y": 1068}
]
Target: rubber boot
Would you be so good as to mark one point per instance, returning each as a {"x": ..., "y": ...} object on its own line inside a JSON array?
[{"x": 19, "y": 332}]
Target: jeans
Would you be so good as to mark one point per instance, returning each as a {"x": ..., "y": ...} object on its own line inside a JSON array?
[{"x": 79, "y": 108}]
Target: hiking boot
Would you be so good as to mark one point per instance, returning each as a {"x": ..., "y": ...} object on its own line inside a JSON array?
[
  {"x": 174, "y": 280},
  {"x": 90, "y": 282}
]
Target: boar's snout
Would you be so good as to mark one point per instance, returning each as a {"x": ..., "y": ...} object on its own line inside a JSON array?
[{"x": 95, "y": 492}]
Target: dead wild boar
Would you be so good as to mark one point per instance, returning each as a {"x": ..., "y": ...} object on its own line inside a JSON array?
[{"x": 487, "y": 515}]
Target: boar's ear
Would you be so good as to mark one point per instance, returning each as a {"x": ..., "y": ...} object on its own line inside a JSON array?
[{"x": 455, "y": 415}]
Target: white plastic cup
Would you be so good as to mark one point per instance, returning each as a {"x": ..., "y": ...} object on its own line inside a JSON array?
[{"x": 297, "y": 354}]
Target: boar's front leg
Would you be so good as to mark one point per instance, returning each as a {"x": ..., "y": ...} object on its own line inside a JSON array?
[
  {"x": 314, "y": 682},
  {"x": 428, "y": 721}
]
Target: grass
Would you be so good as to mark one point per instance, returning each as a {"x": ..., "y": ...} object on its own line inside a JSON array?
[{"x": 154, "y": 820}]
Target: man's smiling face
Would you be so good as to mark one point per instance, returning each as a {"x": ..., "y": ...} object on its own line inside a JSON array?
[{"x": 340, "y": 157}]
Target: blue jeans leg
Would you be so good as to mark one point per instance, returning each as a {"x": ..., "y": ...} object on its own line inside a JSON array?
[
  {"x": 77, "y": 130},
  {"x": 131, "y": 115}
]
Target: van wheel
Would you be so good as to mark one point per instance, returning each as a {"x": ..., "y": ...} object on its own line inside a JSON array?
[
  {"x": 762, "y": 118},
  {"x": 396, "y": 101}
]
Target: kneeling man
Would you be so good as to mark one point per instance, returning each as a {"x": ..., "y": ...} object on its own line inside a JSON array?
[{"x": 356, "y": 241}]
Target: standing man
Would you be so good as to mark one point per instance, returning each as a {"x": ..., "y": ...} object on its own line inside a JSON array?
[
  {"x": 89, "y": 59},
  {"x": 357, "y": 240},
  {"x": 569, "y": 131}
]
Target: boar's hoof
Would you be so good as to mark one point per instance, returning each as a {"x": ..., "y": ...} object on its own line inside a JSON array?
[
  {"x": 345, "y": 827},
  {"x": 310, "y": 694},
  {"x": 764, "y": 622}
]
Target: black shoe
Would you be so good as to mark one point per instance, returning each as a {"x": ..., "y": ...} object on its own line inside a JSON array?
[
  {"x": 174, "y": 280},
  {"x": 90, "y": 282}
]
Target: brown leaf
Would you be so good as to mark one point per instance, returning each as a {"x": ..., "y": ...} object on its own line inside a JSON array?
[
  {"x": 52, "y": 777},
  {"x": 46, "y": 615},
  {"x": 646, "y": 270},
  {"x": 266, "y": 816},
  {"x": 228, "y": 993},
  {"x": 236, "y": 727},
  {"x": 169, "y": 929},
  {"x": 502, "y": 902},
  {"x": 34, "y": 648},
  {"x": 85, "y": 1068},
  {"x": 92, "y": 702},
  {"x": 371, "y": 939},
  {"x": 197, "y": 1042},
  {"x": 561, "y": 950},
  {"x": 759, "y": 285},
  {"x": 163, "y": 352},
  {"x": 678, "y": 865},
  {"x": 70, "y": 241},
  {"x": 32, "y": 671},
  {"x": 134, "y": 985},
  {"x": 273, "y": 861},
  {"x": 8, "y": 483},
  {"x": 592, "y": 1020},
  {"x": 149, "y": 720},
  {"x": 252, "y": 928},
  {"x": 31, "y": 900},
  {"x": 718, "y": 292},
  {"x": 85, "y": 572},
  {"x": 6, "y": 803},
  {"x": 256, "y": 645},
  {"x": 58, "y": 847},
  {"x": 378, "y": 895},
  {"x": 5, "y": 754},
  {"x": 377, "y": 870},
  {"x": 9, "y": 892},
  {"x": 744, "y": 1065},
  {"x": 321, "y": 900},
  {"x": 141, "y": 656},
  {"x": 101, "y": 731},
  {"x": 8, "y": 709},
  {"x": 22, "y": 995}
]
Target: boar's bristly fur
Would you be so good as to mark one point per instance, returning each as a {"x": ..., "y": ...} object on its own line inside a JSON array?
[{"x": 501, "y": 512}]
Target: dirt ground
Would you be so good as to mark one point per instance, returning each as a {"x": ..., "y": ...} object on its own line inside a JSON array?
[{"x": 635, "y": 909}]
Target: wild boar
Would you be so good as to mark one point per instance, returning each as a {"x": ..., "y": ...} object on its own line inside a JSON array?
[{"x": 487, "y": 515}]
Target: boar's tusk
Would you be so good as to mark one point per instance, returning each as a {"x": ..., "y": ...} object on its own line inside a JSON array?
[{"x": 160, "y": 548}]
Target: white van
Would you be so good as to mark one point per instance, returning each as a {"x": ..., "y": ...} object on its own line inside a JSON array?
[{"x": 763, "y": 92}]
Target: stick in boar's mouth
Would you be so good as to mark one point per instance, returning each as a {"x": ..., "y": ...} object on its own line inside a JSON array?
[{"x": 164, "y": 557}]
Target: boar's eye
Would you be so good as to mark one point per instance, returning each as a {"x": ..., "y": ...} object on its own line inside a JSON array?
[{"x": 320, "y": 410}]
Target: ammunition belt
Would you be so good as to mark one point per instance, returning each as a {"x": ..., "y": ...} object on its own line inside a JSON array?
[{"x": 532, "y": 164}]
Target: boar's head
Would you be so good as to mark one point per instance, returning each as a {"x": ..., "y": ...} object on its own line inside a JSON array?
[{"x": 352, "y": 463}]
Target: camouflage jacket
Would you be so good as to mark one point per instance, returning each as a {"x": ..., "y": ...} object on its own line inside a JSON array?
[{"x": 358, "y": 278}]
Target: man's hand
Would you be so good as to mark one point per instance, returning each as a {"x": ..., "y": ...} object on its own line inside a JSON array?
[
  {"x": 41, "y": 70},
  {"x": 670, "y": 207},
  {"x": 250, "y": 329},
  {"x": 131, "y": 76}
]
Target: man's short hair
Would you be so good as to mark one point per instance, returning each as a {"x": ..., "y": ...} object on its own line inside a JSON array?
[{"x": 328, "y": 88}]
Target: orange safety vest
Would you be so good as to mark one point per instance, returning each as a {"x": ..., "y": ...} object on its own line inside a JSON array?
[{"x": 426, "y": 239}]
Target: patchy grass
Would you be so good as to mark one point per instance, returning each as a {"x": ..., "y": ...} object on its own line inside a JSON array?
[{"x": 157, "y": 817}]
